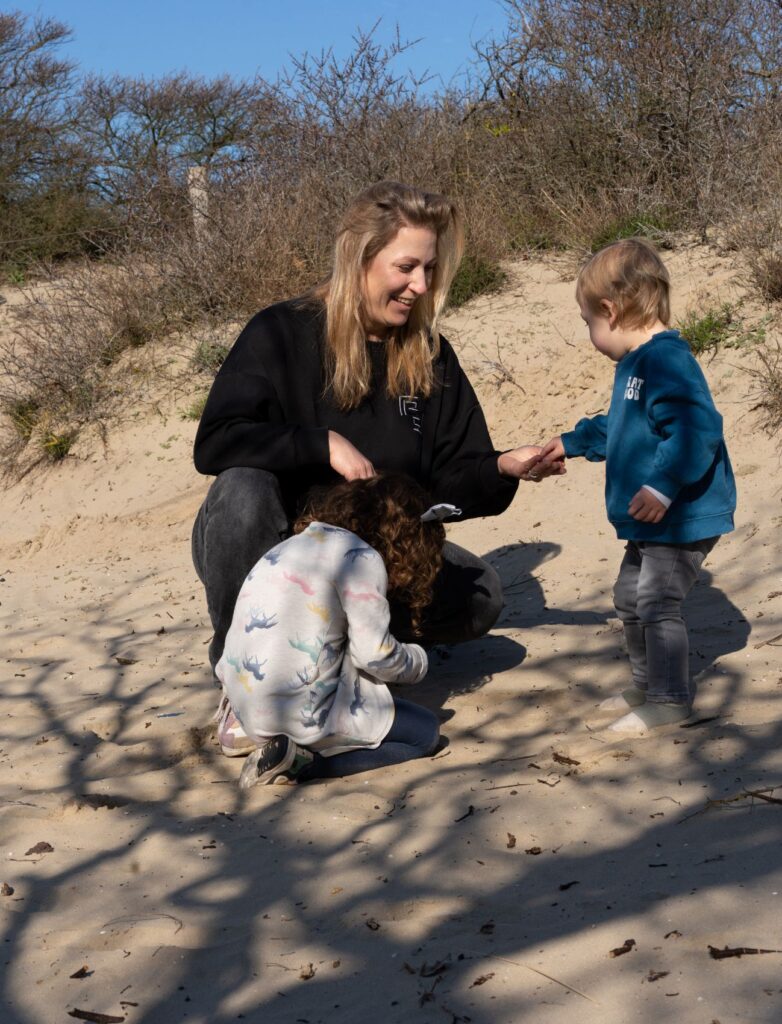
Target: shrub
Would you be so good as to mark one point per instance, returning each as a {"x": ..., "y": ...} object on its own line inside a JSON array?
[
  {"x": 195, "y": 410},
  {"x": 63, "y": 363},
  {"x": 476, "y": 276},
  {"x": 667, "y": 123},
  {"x": 767, "y": 274},
  {"x": 209, "y": 356},
  {"x": 709, "y": 330},
  {"x": 23, "y": 414},
  {"x": 651, "y": 226},
  {"x": 14, "y": 271},
  {"x": 721, "y": 326},
  {"x": 57, "y": 446}
]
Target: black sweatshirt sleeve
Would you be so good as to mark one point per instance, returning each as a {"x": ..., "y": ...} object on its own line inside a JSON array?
[
  {"x": 247, "y": 420},
  {"x": 464, "y": 466}
]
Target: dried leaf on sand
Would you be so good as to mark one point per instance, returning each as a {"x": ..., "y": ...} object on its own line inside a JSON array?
[{"x": 626, "y": 946}]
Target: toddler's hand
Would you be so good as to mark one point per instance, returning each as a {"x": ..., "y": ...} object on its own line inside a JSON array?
[
  {"x": 646, "y": 508},
  {"x": 553, "y": 456}
]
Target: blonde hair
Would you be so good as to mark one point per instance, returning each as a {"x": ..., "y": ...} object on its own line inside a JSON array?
[
  {"x": 630, "y": 274},
  {"x": 369, "y": 224}
]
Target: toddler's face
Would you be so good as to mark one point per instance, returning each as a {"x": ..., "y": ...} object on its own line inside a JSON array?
[{"x": 603, "y": 333}]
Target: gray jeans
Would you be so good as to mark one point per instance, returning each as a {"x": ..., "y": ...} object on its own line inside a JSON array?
[
  {"x": 653, "y": 581},
  {"x": 243, "y": 516}
]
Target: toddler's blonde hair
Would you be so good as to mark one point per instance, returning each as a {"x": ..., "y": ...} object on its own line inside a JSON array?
[{"x": 630, "y": 274}]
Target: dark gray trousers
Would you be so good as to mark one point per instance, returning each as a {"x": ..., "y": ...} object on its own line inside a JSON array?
[
  {"x": 653, "y": 581},
  {"x": 243, "y": 516}
]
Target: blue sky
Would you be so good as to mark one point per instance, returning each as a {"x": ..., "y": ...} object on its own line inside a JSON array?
[{"x": 245, "y": 37}]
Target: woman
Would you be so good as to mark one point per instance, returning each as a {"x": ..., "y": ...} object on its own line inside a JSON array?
[{"x": 353, "y": 378}]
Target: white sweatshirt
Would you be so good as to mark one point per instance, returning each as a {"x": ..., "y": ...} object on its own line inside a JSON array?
[{"x": 309, "y": 649}]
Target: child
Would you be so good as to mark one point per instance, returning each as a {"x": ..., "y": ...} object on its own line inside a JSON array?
[
  {"x": 309, "y": 651},
  {"x": 670, "y": 490}
]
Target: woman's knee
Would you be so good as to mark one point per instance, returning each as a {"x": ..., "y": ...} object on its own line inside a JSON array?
[
  {"x": 245, "y": 485},
  {"x": 248, "y": 497},
  {"x": 488, "y": 602}
]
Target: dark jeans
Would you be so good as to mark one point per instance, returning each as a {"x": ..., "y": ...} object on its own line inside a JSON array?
[
  {"x": 653, "y": 581},
  {"x": 243, "y": 516},
  {"x": 415, "y": 733}
]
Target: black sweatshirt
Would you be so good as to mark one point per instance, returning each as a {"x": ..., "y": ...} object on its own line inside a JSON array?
[{"x": 267, "y": 409}]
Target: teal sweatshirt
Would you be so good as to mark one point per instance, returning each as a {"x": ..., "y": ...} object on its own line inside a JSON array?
[{"x": 663, "y": 431}]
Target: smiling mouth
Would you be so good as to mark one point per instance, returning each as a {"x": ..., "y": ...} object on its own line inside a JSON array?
[{"x": 404, "y": 302}]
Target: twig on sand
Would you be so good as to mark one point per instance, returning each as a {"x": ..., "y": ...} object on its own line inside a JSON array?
[
  {"x": 95, "y": 1018},
  {"x": 561, "y": 335},
  {"x": 770, "y": 643},
  {"x": 759, "y": 794},
  {"x": 549, "y": 977},
  {"x": 470, "y": 810},
  {"x": 762, "y": 794},
  {"x": 510, "y": 785},
  {"x": 727, "y": 951},
  {"x": 699, "y": 721},
  {"x": 502, "y": 375},
  {"x": 142, "y": 918},
  {"x": 437, "y": 757},
  {"x": 521, "y": 757}
]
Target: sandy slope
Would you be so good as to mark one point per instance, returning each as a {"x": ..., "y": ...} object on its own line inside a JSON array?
[{"x": 487, "y": 884}]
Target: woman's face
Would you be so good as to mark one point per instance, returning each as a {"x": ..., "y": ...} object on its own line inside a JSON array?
[{"x": 397, "y": 276}]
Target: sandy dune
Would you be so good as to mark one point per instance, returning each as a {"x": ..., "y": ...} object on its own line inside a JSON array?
[{"x": 488, "y": 884}]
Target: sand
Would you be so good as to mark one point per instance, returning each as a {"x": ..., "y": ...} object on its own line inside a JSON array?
[{"x": 490, "y": 883}]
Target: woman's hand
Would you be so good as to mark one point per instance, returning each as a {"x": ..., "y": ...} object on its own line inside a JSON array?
[
  {"x": 524, "y": 463},
  {"x": 347, "y": 460}
]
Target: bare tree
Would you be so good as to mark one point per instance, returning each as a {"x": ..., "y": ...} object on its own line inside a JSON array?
[
  {"x": 34, "y": 84},
  {"x": 43, "y": 167},
  {"x": 146, "y": 133}
]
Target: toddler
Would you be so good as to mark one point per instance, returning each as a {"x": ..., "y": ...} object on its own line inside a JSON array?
[
  {"x": 309, "y": 652},
  {"x": 670, "y": 491}
]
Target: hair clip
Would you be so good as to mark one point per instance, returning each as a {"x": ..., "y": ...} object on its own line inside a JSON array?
[{"x": 437, "y": 513}]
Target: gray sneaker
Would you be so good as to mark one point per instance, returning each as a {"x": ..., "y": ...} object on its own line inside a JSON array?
[{"x": 279, "y": 761}]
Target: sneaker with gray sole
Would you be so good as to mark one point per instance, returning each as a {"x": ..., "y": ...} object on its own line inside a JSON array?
[{"x": 279, "y": 761}]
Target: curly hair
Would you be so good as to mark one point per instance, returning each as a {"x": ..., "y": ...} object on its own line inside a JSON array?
[{"x": 385, "y": 511}]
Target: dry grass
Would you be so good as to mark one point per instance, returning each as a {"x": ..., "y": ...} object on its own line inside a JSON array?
[
  {"x": 767, "y": 387},
  {"x": 65, "y": 362}
]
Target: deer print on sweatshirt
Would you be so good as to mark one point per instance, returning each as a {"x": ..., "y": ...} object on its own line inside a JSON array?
[{"x": 309, "y": 651}]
